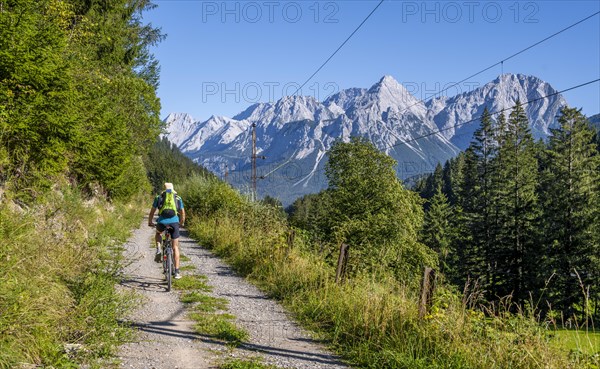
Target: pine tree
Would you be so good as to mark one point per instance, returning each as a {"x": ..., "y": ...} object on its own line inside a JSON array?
[
  {"x": 459, "y": 260},
  {"x": 165, "y": 163},
  {"x": 432, "y": 183},
  {"x": 570, "y": 202},
  {"x": 496, "y": 254},
  {"x": 472, "y": 253},
  {"x": 34, "y": 92},
  {"x": 447, "y": 182},
  {"x": 453, "y": 177},
  {"x": 77, "y": 94},
  {"x": 516, "y": 210},
  {"x": 438, "y": 232},
  {"x": 117, "y": 110},
  {"x": 478, "y": 200}
]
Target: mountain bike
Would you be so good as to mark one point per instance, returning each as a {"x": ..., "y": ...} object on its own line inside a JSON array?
[
  {"x": 167, "y": 257},
  {"x": 167, "y": 253}
]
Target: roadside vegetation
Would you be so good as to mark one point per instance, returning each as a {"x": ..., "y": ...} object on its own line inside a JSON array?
[
  {"x": 371, "y": 316},
  {"x": 78, "y": 113},
  {"x": 522, "y": 218},
  {"x": 209, "y": 313},
  {"x": 60, "y": 259},
  {"x": 511, "y": 225},
  {"x": 245, "y": 364}
]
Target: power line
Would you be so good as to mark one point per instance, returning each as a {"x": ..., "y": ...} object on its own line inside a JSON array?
[
  {"x": 471, "y": 120},
  {"x": 279, "y": 166},
  {"x": 494, "y": 113},
  {"x": 254, "y": 176},
  {"x": 443, "y": 129},
  {"x": 339, "y": 48},
  {"x": 501, "y": 62}
]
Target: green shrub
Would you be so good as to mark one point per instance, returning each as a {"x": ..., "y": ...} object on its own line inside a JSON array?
[
  {"x": 205, "y": 196},
  {"x": 245, "y": 364},
  {"x": 372, "y": 319},
  {"x": 58, "y": 269},
  {"x": 191, "y": 282},
  {"x": 219, "y": 326}
]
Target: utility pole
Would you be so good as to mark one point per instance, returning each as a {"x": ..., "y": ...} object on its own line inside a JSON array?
[
  {"x": 226, "y": 172},
  {"x": 254, "y": 157},
  {"x": 253, "y": 161}
]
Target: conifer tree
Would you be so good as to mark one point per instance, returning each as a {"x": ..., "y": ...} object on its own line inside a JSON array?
[
  {"x": 165, "y": 163},
  {"x": 496, "y": 190},
  {"x": 438, "y": 231},
  {"x": 447, "y": 182},
  {"x": 478, "y": 199},
  {"x": 116, "y": 111},
  {"x": 432, "y": 182},
  {"x": 453, "y": 178},
  {"x": 77, "y": 94},
  {"x": 472, "y": 253},
  {"x": 570, "y": 202},
  {"x": 453, "y": 185},
  {"x": 34, "y": 91},
  {"x": 516, "y": 254}
]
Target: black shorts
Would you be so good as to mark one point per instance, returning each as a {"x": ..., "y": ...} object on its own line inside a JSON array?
[{"x": 173, "y": 229}]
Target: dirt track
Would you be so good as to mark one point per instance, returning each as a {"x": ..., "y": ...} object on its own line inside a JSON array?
[{"x": 166, "y": 337}]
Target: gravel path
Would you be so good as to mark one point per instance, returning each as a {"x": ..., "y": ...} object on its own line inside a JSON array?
[{"x": 166, "y": 338}]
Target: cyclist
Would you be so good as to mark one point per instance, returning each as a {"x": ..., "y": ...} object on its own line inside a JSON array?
[{"x": 171, "y": 215}]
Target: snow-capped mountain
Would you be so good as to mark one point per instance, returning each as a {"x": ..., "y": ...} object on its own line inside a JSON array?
[
  {"x": 180, "y": 127},
  {"x": 449, "y": 114},
  {"x": 295, "y": 132}
]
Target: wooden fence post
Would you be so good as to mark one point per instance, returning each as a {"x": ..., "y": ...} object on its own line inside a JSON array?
[
  {"x": 342, "y": 261},
  {"x": 290, "y": 235},
  {"x": 215, "y": 231},
  {"x": 426, "y": 291},
  {"x": 290, "y": 238}
]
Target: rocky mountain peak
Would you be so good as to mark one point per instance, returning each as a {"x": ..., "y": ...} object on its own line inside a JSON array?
[{"x": 295, "y": 132}]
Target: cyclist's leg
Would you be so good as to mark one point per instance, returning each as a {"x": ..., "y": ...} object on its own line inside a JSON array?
[
  {"x": 176, "y": 252},
  {"x": 160, "y": 228},
  {"x": 175, "y": 238},
  {"x": 158, "y": 238}
]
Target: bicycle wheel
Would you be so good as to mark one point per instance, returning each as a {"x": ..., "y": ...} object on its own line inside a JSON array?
[
  {"x": 169, "y": 270},
  {"x": 164, "y": 257}
]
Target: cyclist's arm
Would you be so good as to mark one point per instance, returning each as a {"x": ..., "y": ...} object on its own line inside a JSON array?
[
  {"x": 151, "y": 216},
  {"x": 181, "y": 212},
  {"x": 182, "y": 217}
]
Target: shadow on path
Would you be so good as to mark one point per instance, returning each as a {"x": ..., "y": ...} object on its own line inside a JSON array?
[
  {"x": 144, "y": 283},
  {"x": 164, "y": 328},
  {"x": 298, "y": 355},
  {"x": 254, "y": 297}
]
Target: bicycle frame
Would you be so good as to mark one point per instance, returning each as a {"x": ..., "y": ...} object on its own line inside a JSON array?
[{"x": 167, "y": 251}]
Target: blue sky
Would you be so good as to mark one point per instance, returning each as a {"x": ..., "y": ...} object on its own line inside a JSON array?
[{"x": 221, "y": 56}]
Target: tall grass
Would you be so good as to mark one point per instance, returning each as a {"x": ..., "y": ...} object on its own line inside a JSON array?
[
  {"x": 58, "y": 262},
  {"x": 372, "y": 319}
]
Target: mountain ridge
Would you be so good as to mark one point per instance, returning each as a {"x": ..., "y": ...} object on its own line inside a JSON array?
[{"x": 295, "y": 132}]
